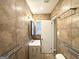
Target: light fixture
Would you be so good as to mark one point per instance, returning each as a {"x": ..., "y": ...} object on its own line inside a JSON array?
[
  {"x": 58, "y": 33},
  {"x": 26, "y": 18},
  {"x": 17, "y": 8},
  {"x": 30, "y": 18},
  {"x": 42, "y": 8}
]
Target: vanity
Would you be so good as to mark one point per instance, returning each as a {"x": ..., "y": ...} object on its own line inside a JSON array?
[{"x": 34, "y": 49}]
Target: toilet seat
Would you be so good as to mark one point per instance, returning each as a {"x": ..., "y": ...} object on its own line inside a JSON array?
[{"x": 60, "y": 56}]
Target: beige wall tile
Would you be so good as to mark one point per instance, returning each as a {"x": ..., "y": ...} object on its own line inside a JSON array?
[
  {"x": 67, "y": 27},
  {"x": 14, "y": 26}
]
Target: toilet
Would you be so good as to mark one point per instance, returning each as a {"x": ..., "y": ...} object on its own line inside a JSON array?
[{"x": 60, "y": 56}]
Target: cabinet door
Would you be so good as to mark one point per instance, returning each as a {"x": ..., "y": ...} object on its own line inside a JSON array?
[{"x": 34, "y": 52}]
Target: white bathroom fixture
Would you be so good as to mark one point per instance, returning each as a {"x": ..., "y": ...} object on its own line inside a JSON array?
[{"x": 60, "y": 56}]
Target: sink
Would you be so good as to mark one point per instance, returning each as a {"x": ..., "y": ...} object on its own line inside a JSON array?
[{"x": 34, "y": 43}]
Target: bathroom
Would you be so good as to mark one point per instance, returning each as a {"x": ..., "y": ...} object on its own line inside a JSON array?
[{"x": 39, "y": 29}]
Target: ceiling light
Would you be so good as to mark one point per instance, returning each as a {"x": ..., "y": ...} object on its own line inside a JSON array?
[{"x": 41, "y": 8}]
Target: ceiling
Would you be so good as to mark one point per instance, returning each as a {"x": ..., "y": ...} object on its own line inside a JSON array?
[{"x": 41, "y": 6}]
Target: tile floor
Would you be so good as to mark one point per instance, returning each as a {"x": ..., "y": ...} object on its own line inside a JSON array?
[{"x": 48, "y": 56}]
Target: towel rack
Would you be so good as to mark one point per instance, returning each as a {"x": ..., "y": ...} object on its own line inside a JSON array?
[
  {"x": 71, "y": 9},
  {"x": 66, "y": 12},
  {"x": 10, "y": 53},
  {"x": 72, "y": 50}
]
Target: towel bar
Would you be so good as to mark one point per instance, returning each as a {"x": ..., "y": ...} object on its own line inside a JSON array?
[{"x": 10, "y": 53}]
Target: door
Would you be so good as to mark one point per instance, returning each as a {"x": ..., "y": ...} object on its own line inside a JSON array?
[{"x": 46, "y": 36}]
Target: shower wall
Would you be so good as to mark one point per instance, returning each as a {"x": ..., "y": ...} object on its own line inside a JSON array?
[
  {"x": 14, "y": 27},
  {"x": 67, "y": 28}
]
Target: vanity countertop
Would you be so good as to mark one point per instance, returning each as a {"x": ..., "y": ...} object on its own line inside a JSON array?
[{"x": 34, "y": 43}]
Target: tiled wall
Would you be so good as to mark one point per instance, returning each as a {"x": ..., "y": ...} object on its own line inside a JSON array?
[
  {"x": 14, "y": 26},
  {"x": 67, "y": 29}
]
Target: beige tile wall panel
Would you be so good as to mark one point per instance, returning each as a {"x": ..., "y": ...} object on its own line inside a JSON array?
[
  {"x": 75, "y": 3},
  {"x": 13, "y": 57},
  {"x": 13, "y": 26},
  {"x": 59, "y": 9},
  {"x": 65, "y": 35},
  {"x": 64, "y": 23},
  {"x": 7, "y": 27},
  {"x": 75, "y": 38},
  {"x": 75, "y": 26},
  {"x": 75, "y": 20},
  {"x": 68, "y": 28},
  {"x": 21, "y": 54},
  {"x": 21, "y": 31},
  {"x": 74, "y": 57},
  {"x": 67, "y": 53},
  {"x": 56, "y": 11}
]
